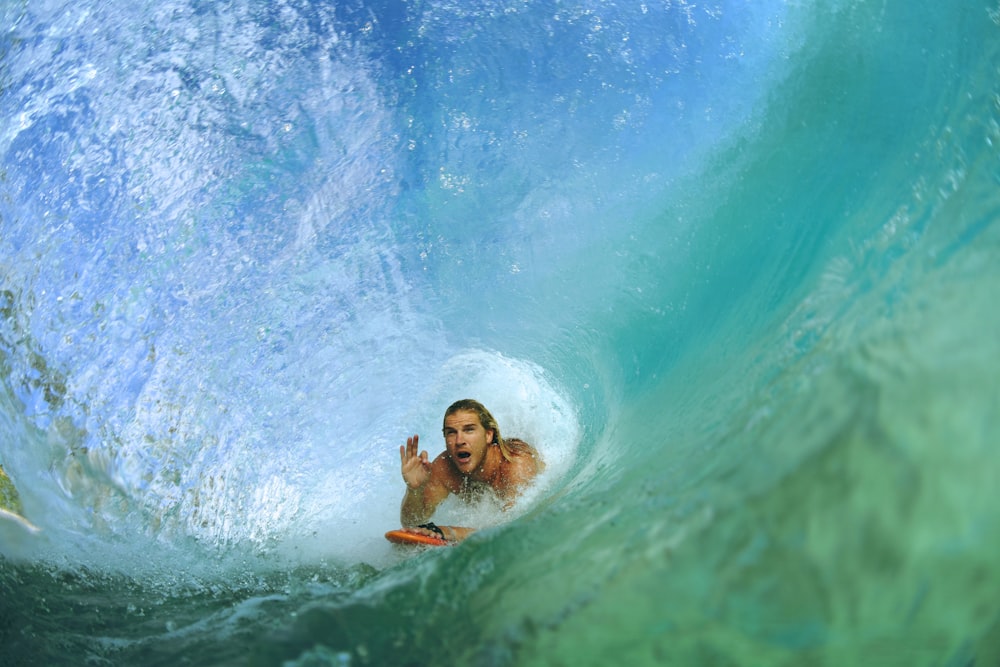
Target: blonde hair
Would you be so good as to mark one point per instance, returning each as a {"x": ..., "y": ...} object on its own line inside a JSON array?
[{"x": 489, "y": 423}]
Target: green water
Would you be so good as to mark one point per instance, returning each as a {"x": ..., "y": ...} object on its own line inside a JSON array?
[{"x": 785, "y": 362}]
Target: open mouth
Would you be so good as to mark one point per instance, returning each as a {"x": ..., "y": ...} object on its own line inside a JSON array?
[{"x": 463, "y": 456}]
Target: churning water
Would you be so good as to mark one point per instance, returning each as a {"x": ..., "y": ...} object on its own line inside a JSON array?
[{"x": 733, "y": 267}]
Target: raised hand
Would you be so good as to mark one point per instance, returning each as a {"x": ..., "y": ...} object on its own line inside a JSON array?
[{"x": 416, "y": 467}]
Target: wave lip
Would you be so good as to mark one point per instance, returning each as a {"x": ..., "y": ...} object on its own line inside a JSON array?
[{"x": 734, "y": 285}]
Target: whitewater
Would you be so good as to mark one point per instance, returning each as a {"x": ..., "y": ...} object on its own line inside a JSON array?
[{"x": 731, "y": 267}]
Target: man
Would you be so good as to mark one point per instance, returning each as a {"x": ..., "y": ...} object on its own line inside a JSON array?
[{"x": 476, "y": 459}]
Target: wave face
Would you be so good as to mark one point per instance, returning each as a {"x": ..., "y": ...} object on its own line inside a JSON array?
[{"x": 730, "y": 266}]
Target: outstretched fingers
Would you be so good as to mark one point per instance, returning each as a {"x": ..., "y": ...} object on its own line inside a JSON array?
[
  {"x": 414, "y": 464},
  {"x": 409, "y": 450}
]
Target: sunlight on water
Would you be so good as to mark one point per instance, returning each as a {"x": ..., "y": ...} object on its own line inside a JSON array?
[{"x": 730, "y": 267}]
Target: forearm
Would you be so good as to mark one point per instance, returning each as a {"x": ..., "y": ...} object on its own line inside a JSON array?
[
  {"x": 415, "y": 508},
  {"x": 456, "y": 533}
]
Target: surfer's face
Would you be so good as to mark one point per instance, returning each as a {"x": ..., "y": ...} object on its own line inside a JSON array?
[{"x": 466, "y": 440}]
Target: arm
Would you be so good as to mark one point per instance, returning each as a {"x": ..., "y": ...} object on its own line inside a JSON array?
[
  {"x": 419, "y": 504},
  {"x": 424, "y": 489}
]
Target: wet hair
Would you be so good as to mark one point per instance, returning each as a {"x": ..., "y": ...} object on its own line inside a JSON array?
[{"x": 489, "y": 423}]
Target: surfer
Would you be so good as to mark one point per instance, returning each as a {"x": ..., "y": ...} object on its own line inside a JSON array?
[{"x": 476, "y": 459}]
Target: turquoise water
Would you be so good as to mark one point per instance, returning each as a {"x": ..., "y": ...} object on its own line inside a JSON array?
[{"x": 732, "y": 267}]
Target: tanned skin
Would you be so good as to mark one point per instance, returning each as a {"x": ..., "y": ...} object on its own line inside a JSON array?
[{"x": 471, "y": 461}]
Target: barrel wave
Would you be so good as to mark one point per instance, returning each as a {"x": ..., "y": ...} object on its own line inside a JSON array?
[{"x": 730, "y": 266}]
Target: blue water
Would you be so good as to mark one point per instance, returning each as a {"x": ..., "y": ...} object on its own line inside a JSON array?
[{"x": 732, "y": 267}]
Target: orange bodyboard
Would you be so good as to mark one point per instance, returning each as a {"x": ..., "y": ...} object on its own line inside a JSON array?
[{"x": 403, "y": 537}]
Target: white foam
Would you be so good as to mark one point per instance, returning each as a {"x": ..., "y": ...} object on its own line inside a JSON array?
[{"x": 354, "y": 506}]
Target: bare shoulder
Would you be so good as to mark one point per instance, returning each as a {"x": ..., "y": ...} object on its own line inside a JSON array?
[
  {"x": 525, "y": 456},
  {"x": 524, "y": 463}
]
